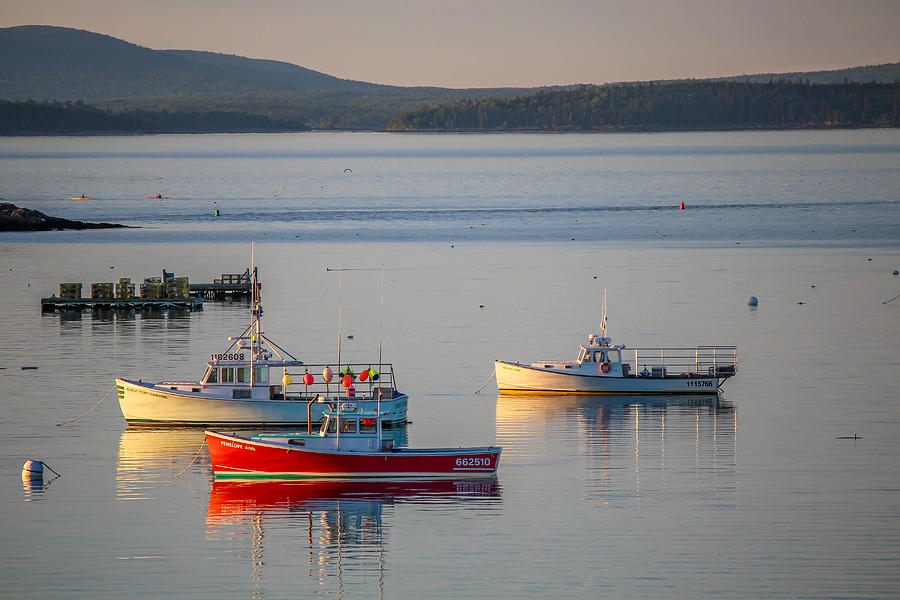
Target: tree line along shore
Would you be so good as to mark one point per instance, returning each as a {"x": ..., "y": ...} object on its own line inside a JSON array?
[{"x": 673, "y": 106}]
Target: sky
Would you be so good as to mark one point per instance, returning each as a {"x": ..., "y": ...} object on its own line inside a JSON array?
[{"x": 494, "y": 43}]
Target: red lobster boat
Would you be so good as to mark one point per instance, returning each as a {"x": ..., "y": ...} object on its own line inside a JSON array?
[{"x": 349, "y": 444}]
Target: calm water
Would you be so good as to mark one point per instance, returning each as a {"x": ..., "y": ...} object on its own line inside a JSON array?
[{"x": 619, "y": 497}]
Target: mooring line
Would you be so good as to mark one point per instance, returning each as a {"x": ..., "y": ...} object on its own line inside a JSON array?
[
  {"x": 88, "y": 410},
  {"x": 51, "y": 468},
  {"x": 199, "y": 450},
  {"x": 486, "y": 382}
]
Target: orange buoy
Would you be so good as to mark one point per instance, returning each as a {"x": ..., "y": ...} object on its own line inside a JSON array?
[
  {"x": 681, "y": 207},
  {"x": 308, "y": 379}
]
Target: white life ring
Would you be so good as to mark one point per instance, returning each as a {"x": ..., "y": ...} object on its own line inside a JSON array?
[{"x": 604, "y": 367}]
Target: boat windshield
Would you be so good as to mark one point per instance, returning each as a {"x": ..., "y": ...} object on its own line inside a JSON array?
[{"x": 582, "y": 353}]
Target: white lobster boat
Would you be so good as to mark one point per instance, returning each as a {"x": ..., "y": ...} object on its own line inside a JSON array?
[
  {"x": 604, "y": 368},
  {"x": 255, "y": 383}
]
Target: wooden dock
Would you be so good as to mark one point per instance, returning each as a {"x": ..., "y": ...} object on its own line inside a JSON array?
[
  {"x": 54, "y": 303},
  {"x": 236, "y": 285},
  {"x": 157, "y": 293},
  {"x": 219, "y": 291}
]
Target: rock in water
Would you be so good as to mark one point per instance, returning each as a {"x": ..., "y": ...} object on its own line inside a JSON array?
[{"x": 14, "y": 218}]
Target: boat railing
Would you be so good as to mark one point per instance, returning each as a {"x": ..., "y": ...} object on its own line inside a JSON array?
[
  {"x": 717, "y": 361},
  {"x": 385, "y": 384}
]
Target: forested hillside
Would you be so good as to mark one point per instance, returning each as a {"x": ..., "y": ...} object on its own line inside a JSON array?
[
  {"x": 675, "y": 106},
  {"x": 142, "y": 89},
  {"x": 58, "y": 63},
  {"x": 77, "y": 117}
]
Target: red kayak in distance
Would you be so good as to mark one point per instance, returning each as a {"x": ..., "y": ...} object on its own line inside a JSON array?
[{"x": 349, "y": 444}]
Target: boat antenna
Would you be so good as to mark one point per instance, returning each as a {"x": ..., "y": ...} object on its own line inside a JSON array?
[{"x": 603, "y": 318}]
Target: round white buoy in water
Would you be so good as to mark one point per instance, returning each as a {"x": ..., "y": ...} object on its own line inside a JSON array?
[
  {"x": 752, "y": 301},
  {"x": 33, "y": 469}
]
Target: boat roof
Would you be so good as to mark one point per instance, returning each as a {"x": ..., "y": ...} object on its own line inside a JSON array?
[
  {"x": 355, "y": 411},
  {"x": 264, "y": 362}
]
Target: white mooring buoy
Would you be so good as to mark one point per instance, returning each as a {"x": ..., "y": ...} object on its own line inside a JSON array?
[
  {"x": 752, "y": 301},
  {"x": 33, "y": 469}
]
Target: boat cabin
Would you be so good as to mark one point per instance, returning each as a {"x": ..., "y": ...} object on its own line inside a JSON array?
[
  {"x": 239, "y": 379},
  {"x": 603, "y": 357},
  {"x": 349, "y": 429}
]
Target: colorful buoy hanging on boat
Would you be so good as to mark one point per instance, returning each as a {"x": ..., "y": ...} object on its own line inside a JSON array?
[
  {"x": 364, "y": 374},
  {"x": 347, "y": 381},
  {"x": 286, "y": 379},
  {"x": 374, "y": 374},
  {"x": 327, "y": 374},
  {"x": 308, "y": 379}
]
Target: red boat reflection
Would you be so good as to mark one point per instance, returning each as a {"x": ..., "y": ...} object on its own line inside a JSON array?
[{"x": 231, "y": 500}]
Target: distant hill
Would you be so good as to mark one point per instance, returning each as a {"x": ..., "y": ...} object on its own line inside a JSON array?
[
  {"x": 692, "y": 106},
  {"x": 58, "y": 63},
  {"x": 63, "y": 64},
  {"x": 886, "y": 73}
]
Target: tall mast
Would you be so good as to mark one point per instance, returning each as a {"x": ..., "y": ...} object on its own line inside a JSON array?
[
  {"x": 380, "y": 342},
  {"x": 252, "y": 308},
  {"x": 340, "y": 377}
]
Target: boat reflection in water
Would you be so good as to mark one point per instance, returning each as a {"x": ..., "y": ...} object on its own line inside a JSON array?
[
  {"x": 149, "y": 457},
  {"x": 623, "y": 446},
  {"x": 336, "y": 530}
]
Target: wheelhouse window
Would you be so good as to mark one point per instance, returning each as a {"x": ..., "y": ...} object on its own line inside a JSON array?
[
  {"x": 598, "y": 356},
  {"x": 243, "y": 374},
  {"x": 613, "y": 356},
  {"x": 227, "y": 375},
  {"x": 348, "y": 425},
  {"x": 261, "y": 374},
  {"x": 332, "y": 425},
  {"x": 212, "y": 375},
  {"x": 367, "y": 426}
]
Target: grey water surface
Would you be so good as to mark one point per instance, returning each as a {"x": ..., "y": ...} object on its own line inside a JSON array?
[{"x": 787, "y": 486}]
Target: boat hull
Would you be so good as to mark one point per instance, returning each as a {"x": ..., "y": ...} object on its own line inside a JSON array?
[
  {"x": 242, "y": 458},
  {"x": 514, "y": 378},
  {"x": 149, "y": 405}
]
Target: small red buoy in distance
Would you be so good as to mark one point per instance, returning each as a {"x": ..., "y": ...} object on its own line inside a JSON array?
[{"x": 681, "y": 207}]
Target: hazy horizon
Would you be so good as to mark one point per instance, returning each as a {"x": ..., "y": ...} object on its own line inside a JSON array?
[{"x": 465, "y": 44}]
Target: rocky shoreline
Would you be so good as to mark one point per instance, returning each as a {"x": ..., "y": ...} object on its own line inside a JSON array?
[{"x": 14, "y": 218}]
